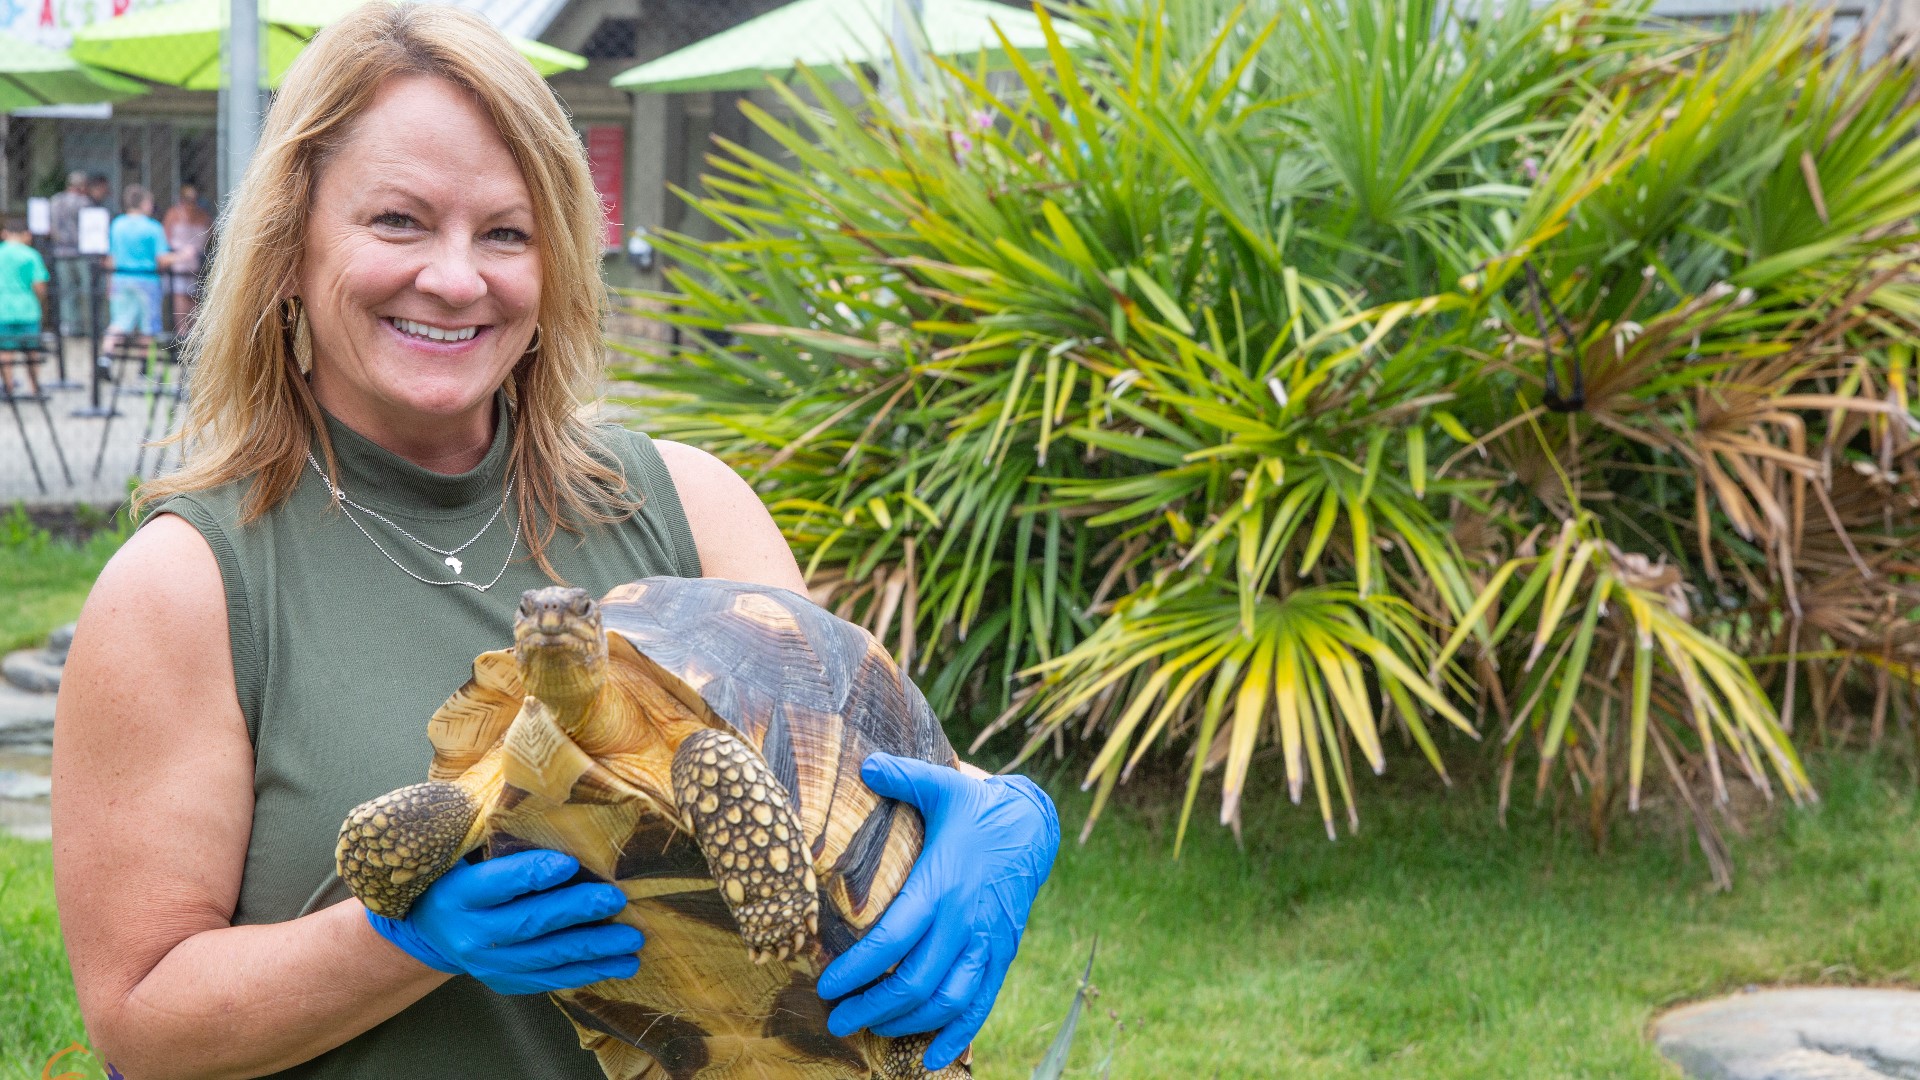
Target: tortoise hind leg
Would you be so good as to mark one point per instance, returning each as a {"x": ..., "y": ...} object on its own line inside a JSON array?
[
  {"x": 745, "y": 825},
  {"x": 392, "y": 847}
]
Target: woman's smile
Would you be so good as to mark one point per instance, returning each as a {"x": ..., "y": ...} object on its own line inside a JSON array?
[{"x": 436, "y": 337}]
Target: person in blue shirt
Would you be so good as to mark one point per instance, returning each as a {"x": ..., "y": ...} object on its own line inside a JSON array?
[{"x": 137, "y": 253}]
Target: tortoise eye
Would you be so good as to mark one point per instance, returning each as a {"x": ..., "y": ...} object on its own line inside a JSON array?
[
  {"x": 582, "y": 605},
  {"x": 526, "y": 602}
]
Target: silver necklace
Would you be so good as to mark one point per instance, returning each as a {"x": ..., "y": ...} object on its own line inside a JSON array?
[{"x": 450, "y": 554}]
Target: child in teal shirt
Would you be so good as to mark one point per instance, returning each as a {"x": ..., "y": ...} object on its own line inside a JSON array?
[{"x": 23, "y": 289}]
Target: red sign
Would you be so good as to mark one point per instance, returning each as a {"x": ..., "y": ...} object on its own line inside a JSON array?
[{"x": 607, "y": 158}]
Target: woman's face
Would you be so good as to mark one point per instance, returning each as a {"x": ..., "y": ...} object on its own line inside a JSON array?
[{"x": 421, "y": 276}]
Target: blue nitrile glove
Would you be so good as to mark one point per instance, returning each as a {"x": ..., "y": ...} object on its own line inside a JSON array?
[
  {"x": 956, "y": 923},
  {"x": 493, "y": 921}
]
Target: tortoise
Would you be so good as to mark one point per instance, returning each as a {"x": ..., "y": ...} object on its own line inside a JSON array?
[{"x": 697, "y": 743}]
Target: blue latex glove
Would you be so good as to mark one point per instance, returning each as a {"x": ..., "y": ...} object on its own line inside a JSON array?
[
  {"x": 494, "y": 920},
  {"x": 957, "y": 921}
]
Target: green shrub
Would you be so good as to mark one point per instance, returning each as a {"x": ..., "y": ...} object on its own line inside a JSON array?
[{"x": 1292, "y": 374}]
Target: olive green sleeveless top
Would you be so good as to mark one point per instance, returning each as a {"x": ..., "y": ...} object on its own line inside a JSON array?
[{"x": 340, "y": 657}]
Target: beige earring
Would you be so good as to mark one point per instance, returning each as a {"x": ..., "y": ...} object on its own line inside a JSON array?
[
  {"x": 534, "y": 345},
  {"x": 302, "y": 337}
]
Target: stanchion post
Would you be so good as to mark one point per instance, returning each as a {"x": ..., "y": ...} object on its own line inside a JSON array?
[
  {"x": 58, "y": 299},
  {"x": 102, "y": 365}
]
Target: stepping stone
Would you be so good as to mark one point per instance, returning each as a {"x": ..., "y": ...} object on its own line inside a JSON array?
[
  {"x": 36, "y": 671},
  {"x": 1820, "y": 1033},
  {"x": 19, "y": 785},
  {"x": 26, "y": 820},
  {"x": 59, "y": 642},
  {"x": 26, "y": 720}
]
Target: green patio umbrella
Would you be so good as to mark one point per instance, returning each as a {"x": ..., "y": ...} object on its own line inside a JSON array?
[
  {"x": 33, "y": 75},
  {"x": 822, "y": 33},
  {"x": 179, "y": 43}
]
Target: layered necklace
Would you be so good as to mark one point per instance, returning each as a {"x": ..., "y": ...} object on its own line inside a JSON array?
[{"x": 449, "y": 556}]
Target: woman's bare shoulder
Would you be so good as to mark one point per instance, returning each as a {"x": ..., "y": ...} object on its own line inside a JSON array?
[
  {"x": 156, "y": 623},
  {"x": 736, "y": 537},
  {"x": 166, "y": 570}
]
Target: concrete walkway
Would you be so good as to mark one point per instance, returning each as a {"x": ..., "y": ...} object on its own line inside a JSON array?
[{"x": 52, "y": 432}]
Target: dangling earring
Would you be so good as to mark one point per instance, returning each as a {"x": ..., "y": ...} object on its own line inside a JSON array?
[
  {"x": 534, "y": 345},
  {"x": 302, "y": 336}
]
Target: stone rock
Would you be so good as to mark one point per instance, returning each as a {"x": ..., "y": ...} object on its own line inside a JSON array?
[
  {"x": 20, "y": 785},
  {"x": 36, "y": 671},
  {"x": 26, "y": 820},
  {"x": 59, "y": 642},
  {"x": 1823, "y": 1033},
  {"x": 26, "y": 720}
]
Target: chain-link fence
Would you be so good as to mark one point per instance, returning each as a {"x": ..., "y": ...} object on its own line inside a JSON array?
[{"x": 118, "y": 212}]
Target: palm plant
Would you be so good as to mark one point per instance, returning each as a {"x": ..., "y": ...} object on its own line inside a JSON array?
[{"x": 1295, "y": 374}]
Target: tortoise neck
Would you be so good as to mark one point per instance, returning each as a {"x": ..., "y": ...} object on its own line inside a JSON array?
[{"x": 566, "y": 684}]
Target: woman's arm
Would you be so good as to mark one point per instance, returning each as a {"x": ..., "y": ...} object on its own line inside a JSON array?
[{"x": 153, "y": 804}]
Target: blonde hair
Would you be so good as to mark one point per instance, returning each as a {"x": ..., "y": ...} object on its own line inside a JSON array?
[{"x": 250, "y": 414}]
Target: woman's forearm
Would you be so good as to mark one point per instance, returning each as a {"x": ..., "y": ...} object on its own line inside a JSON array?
[{"x": 247, "y": 1000}]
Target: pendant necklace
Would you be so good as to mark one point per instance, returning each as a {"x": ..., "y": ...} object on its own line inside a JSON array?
[{"x": 449, "y": 556}]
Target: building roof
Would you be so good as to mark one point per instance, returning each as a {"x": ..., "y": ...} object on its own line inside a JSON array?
[{"x": 525, "y": 18}]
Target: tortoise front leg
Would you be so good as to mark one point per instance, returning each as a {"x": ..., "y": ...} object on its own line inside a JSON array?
[
  {"x": 745, "y": 825},
  {"x": 392, "y": 847}
]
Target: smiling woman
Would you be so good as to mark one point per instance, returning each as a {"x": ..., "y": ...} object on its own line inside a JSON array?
[
  {"x": 421, "y": 281},
  {"x": 399, "y": 331}
]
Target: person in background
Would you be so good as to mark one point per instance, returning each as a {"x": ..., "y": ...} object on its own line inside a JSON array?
[
  {"x": 67, "y": 263},
  {"x": 137, "y": 253},
  {"x": 100, "y": 194},
  {"x": 23, "y": 295},
  {"x": 187, "y": 226}
]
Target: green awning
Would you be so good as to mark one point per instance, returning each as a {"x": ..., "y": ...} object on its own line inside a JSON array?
[
  {"x": 824, "y": 33},
  {"x": 33, "y": 75},
  {"x": 179, "y": 43}
]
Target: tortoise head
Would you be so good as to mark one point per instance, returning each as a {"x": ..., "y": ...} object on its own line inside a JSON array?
[{"x": 562, "y": 650}]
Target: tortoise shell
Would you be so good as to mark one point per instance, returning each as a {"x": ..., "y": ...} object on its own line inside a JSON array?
[{"x": 715, "y": 692}]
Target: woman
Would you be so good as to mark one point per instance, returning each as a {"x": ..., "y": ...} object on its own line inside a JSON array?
[{"x": 395, "y": 336}]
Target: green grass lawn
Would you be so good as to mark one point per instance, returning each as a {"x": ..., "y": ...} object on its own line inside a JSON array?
[
  {"x": 46, "y": 580},
  {"x": 1432, "y": 945}
]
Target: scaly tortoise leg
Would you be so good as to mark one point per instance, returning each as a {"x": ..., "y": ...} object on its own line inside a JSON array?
[
  {"x": 744, "y": 822},
  {"x": 903, "y": 1058},
  {"x": 392, "y": 847}
]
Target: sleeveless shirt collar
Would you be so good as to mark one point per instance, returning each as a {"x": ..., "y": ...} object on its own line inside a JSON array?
[{"x": 377, "y": 476}]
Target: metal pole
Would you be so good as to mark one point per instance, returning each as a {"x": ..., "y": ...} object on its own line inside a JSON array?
[
  {"x": 907, "y": 74},
  {"x": 240, "y": 91},
  {"x": 102, "y": 365}
]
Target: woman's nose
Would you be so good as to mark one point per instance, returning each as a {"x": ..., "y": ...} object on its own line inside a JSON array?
[{"x": 451, "y": 275}]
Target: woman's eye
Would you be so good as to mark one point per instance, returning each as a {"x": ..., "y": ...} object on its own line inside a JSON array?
[
  {"x": 395, "y": 220},
  {"x": 506, "y": 235}
]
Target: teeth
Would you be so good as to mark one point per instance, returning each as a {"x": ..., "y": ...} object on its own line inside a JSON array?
[{"x": 434, "y": 333}]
